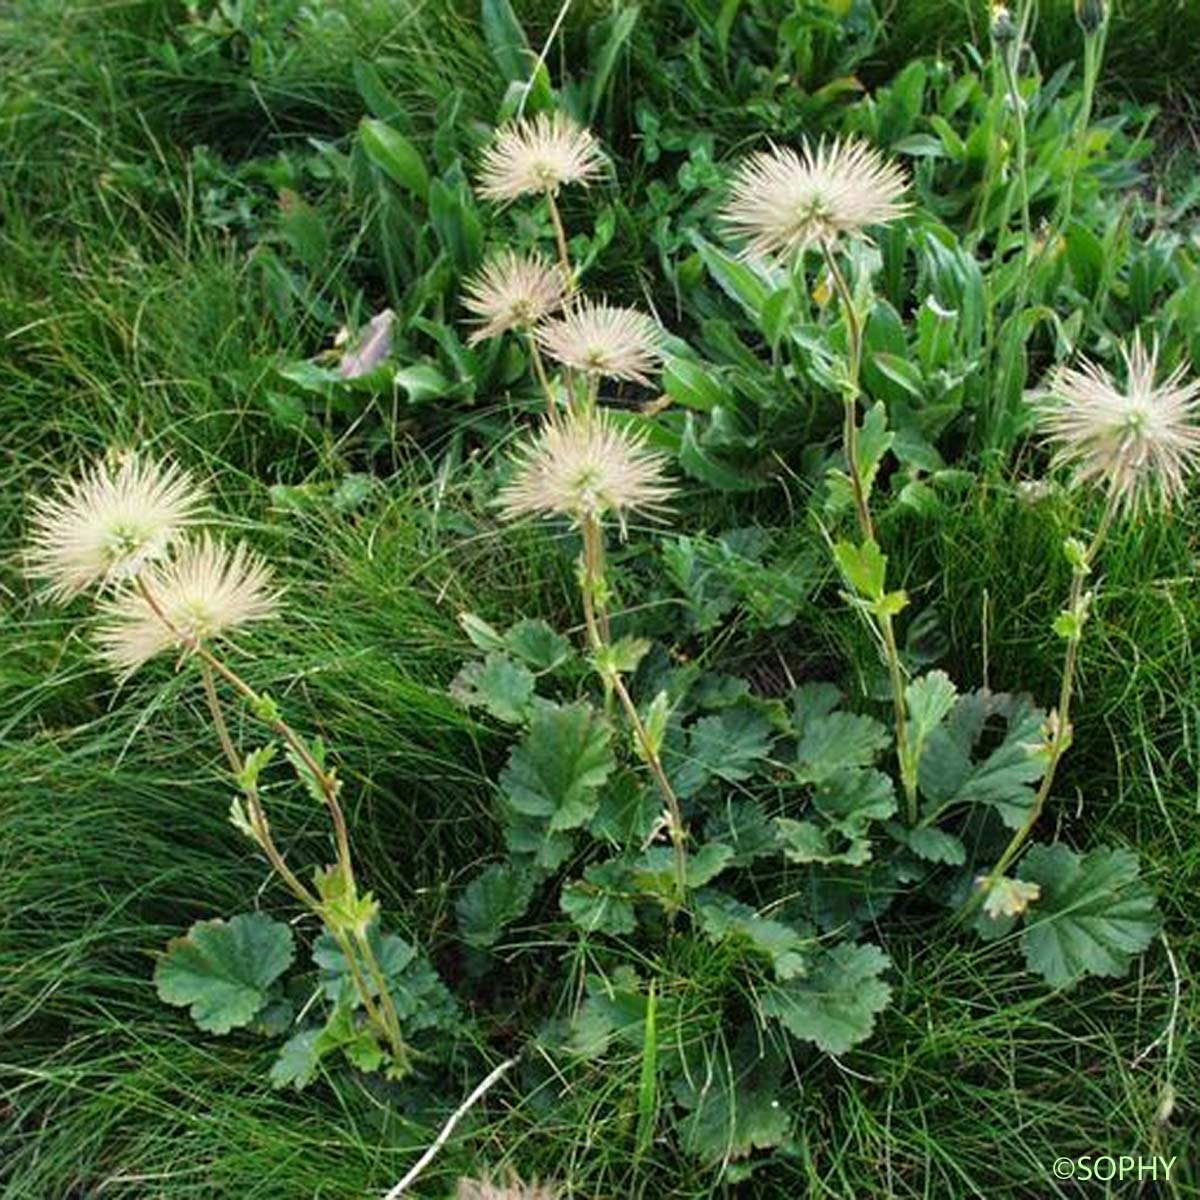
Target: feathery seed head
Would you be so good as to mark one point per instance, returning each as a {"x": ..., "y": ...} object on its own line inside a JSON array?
[
  {"x": 538, "y": 156},
  {"x": 1136, "y": 442},
  {"x": 483, "y": 1189},
  {"x": 782, "y": 202},
  {"x": 513, "y": 291},
  {"x": 604, "y": 339},
  {"x": 207, "y": 591},
  {"x": 108, "y": 523},
  {"x": 585, "y": 467}
]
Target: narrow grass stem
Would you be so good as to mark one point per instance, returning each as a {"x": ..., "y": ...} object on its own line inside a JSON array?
[
  {"x": 1060, "y": 737},
  {"x": 600, "y": 638}
]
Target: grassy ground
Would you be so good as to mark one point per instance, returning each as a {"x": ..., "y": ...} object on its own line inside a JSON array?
[{"x": 132, "y": 314}]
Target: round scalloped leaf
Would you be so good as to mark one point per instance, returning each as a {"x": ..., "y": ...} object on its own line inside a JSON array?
[{"x": 223, "y": 970}]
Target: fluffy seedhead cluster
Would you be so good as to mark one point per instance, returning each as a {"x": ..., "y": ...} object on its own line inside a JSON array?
[
  {"x": 783, "y": 202},
  {"x": 582, "y": 466},
  {"x": 514, "y": 291},
  {"x": 1139, "y": 442},
  {"x": 102, "y": 527},
  {"x": 125, "y": 529},
  {"x": 483, "y": 1189},
  {"x": 604, "y": 340},
  {"x": 537, "y": 156},
  {"x": 586, "y": 467}
]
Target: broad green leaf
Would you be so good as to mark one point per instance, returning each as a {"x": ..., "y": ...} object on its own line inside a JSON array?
[
  {"x": 482, "y": 634},
  {"x": 733, "y": 1101},
  {"x": 421, "y": 1000},
  {"x": 557, "y": 769},
  {"x": 1094, "y": 913},
  {"x": 728, "y": 746},
  {"x": 506, "y": 39},
  {"x": 694, "y": 385},
  {"x": 834, "y": 1006},
  {"x": 700, "y": 464},
  {"x": 393, "y": 953},
  {"x": 394, "y": 155},
  {"x": 831, "y": 743},
  {"x": 806, "y": 842},
  {"x": 951, "y": 773},
  {"x": 734, "y": 277},
  {"x": 628, "y": 811},
  {"x": 864, "y": 567},
  {"x": 930, "y": 700},
  {"x": 539, "y": 646},
  {"x": 935, "y": 845},
  {"x": 297, "y": 1063},
  {"x": 724, "y": 919},
  {"x": 602, "y": 901},
  {"x": 503, "y": 687},
  {"x": 223, "y": 970},
  {"x": 495, "y": 898}
]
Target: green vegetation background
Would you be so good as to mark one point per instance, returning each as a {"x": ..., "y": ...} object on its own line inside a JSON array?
[{"x": 135, "y": 161}]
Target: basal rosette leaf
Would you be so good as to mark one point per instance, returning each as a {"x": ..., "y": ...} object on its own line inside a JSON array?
[
  {"x": 721, "y": 918},
  {"x": 495, "y": 898},
  {"x": 835, "y": 1004},
  {"x": 223, "y": 970},
  {"x": 734, "y": 1102},
  {"x": 957, "y": 766},
  {"x": 557, "y": 769},
  {"x": 1094, "y": 913},
  {"x": 499, "y": 685},
  {"x": 727, "y": 746}
]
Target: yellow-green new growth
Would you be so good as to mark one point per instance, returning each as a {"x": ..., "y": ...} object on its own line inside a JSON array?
[
  {"x": 206, "y": 592},
  {"x": 782, "y": 202},
  {"x": 538, "y": 155},
  {"x": 585, "y": 468},
  {"x": 108, "y": 523},
  {"x": 1138, "y": 442}
]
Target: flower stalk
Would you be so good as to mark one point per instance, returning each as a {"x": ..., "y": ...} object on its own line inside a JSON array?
[
  {"x": 1070, "y": 624},
  {"x": 358, "y": 953},
  {"x": 594, "y": 590},
  {"x": 883, "y": 617}
]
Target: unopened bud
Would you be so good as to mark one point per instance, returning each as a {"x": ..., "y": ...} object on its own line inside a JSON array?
[
  {"x": 1004, "y": 28},
  {"x": 1090, "y": 14}
]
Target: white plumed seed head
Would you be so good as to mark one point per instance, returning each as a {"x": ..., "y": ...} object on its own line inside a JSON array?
[
  {"x": 513, "y": 291},
  {"x": 1138, "y": 443},
  {"x": 207, "y": 591},
  {"x": 538, "y": 155},
  {"x": 105, "y": 525},
  {"x": 585, "y": 467},
  {"x": 483, "y": 1189},
  {"x": 782, "y": 202},
  {"x": 603, "y": 339}
]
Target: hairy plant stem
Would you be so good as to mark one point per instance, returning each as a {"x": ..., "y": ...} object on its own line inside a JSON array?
[
  {"x": 388, "y": 1025},
  {"x": 600, "y": 638},
  {"x": 564, "y": 258},
  {"x": 884, "y": 621},
  {"x": 1093, "y": 56},
  {"x": 1060, "y": 737},
  {"x": 539, "y": 369}
]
